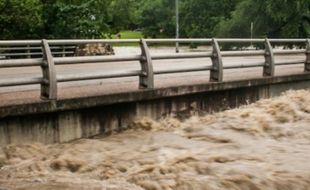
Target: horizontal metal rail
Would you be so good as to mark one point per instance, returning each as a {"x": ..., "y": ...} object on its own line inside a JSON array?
[
  {"x": 21, "y": 81},
  {"x": 20, "y": 63},
  {"x": 195, "y": 40},
  {"x": 183, "y": 70},
  {"x": 79, "y": 42},
  {"x": 36, "y": 53},
  {"x": 95, "y": 59},
  {"x": 20, "y": 43},
  {"x": 35, "y": 48},
  {"x": 49, "y": 60},
  {"x": 181, "y": 56},
  {"x": 239, "y": 40},
  {"x": 297, "y": 51},
  {"x": 260, "y": 52},
  {"x": 179, "y": 40},
  {"x": 288, "y": 40},
  {"x": 239, "y": 66},
  {"x": 242, "y": 53},
  {"x": 80, "y": 77},
  {"x": 291, "y": 62}
]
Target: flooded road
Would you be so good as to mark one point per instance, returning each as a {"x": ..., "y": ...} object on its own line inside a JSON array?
[{"x": 262, "y": 146}]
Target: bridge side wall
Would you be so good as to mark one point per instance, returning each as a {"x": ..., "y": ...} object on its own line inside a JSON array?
[{"x": 64, "y": 126}]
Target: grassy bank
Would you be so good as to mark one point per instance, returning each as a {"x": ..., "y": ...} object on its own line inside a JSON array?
[{"x": 128, "y": 35}]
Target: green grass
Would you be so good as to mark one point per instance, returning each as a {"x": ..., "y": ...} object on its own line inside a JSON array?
[{"x": 129, "y": 35}]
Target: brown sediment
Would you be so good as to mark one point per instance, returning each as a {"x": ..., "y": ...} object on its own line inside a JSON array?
[{"x": 260, "y": 146}]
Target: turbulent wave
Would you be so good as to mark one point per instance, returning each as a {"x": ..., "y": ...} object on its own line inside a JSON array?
[{"x": 261, "y": 146}]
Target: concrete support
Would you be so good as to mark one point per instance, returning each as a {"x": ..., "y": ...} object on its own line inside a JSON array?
[
  {"x": 49, "y": 84},
  {"x": 216, "y": 74},
  {"x": 147, "y": 75},
  {"x": 269, "y": 60},
  {"x": 307, "y": 64}
]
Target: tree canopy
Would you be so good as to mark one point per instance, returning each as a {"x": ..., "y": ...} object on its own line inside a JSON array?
[
  {"x": 271, "y": 18},
  {"x": 155, "y": 18},
  {"x": 199, "y": 17},
  {"x": 75, "y": 18},
  {"x": 20, "y": 19}
]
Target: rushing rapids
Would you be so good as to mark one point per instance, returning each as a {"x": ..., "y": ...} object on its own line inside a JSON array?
[{"x": 262, "y": 146}]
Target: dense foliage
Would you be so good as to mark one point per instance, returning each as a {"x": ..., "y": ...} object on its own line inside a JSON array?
[
  {"x": 271, "y": 18},
  {"x": 158, "y": 18},
  {"x": 155, "y": 18},
  {"x": 75, "y": 18},
  {"x": 199, "y": 17},
  {"x": 20, "y": 19}
]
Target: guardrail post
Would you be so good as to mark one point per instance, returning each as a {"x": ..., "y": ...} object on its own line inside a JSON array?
[
  {"x": 28, "y": 51},
  {"x": 147, "y": 75},
  {"x": 307, "y": 64},
  {"x": 63, "y": 51},
  {"x": 269, "y": 60},
  {"x": 49, "y": 84},
  {"x": 216, "y": 74}
]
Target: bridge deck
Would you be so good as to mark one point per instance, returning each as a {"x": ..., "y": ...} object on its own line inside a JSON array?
[{"x": 30, "y": 94}]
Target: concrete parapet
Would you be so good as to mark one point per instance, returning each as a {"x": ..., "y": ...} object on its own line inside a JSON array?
[{"x": 69, "y": 119}]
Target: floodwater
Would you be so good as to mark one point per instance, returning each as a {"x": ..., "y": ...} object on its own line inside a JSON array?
[{"x": 262, "y": 146}]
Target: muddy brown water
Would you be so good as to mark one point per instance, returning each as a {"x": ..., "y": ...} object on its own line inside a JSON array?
[{"x": 262, "y": 146}]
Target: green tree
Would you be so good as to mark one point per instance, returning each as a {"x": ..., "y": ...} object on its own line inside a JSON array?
[
  {"x": 75, "y": 18},
  {"x": 53, "y": 18},
  {"x": 20, "y": 19},
  {"x": 198, "y": 18},
  {"x": 271, "y": 18},
  {"x": 158, "y": 18},
  {"x": 125, "y": 14}
]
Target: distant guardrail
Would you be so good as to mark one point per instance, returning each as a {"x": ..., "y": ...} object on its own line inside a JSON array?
[
  {"x": 34, "y": 50},
  {"x": 51, "y": 57}
]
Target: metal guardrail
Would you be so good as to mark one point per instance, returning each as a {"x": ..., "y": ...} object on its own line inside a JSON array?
[
  {"x": 32, "y": 50},
  {"x": 146, "y": 74}
]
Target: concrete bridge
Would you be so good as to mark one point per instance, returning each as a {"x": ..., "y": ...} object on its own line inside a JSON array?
[{"x": 57, "y": 99}]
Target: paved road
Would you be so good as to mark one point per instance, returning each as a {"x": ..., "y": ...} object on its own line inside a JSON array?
[{"x": 12, "y": 95}]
